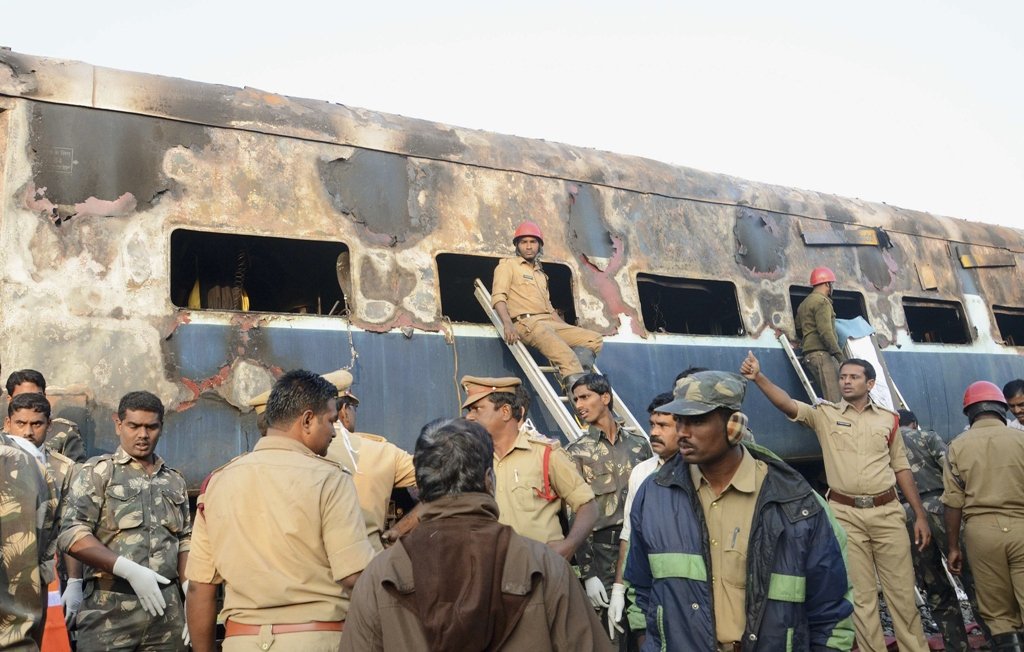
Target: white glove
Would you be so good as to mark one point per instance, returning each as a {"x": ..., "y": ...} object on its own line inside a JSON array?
[
  {"x": 146, "y": 584},
  {"x": 185, "y": 637},
  {"x": 596, "y": 593},
  {"x": 71, "y": 599},
  {"x": 616, "y": 606}
]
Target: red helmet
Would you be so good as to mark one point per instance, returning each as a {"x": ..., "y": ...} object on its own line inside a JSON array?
[
  {"x": 822, "y": 275},
  {"x": 525, "y": 229},
  {"x": 983, "y": 390}
]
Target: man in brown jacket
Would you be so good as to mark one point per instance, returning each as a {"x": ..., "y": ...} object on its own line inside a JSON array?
[{"x": 461, "y": 580}]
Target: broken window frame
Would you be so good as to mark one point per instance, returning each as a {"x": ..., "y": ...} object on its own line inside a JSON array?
[
  {"x": 1002, "y": 314},
  {"x": 261, "y": 252},
  {"x": 918, "y": 304},
  {"x": 467, "y": 310},
  {"x": 728, "y": 325}
]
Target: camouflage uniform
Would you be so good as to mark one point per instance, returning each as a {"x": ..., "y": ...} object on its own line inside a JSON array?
[
  {"x": 926, "y": 453},
  {"x": 65, "y": 438},
  {"x": 144, "y": 518},
  {"x": 28, "y": 504},
  {"x": 606, "y": 468}
]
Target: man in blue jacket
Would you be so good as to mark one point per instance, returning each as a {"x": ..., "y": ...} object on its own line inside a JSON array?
[{"x": 753, "y": 559}]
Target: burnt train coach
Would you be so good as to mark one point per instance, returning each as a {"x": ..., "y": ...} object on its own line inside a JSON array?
[{"x": 196, "y": 240}]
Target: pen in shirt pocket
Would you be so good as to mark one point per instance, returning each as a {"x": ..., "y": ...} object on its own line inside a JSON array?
[{"x": 735, "y": 533}]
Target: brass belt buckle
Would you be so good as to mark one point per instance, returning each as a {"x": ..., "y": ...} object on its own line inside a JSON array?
[{"x": 863, "y": 502}]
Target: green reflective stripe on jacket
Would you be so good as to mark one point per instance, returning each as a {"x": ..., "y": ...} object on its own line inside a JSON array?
[
  {"x": 790, "y": 588},
  {"x": 677, "y": 564}
]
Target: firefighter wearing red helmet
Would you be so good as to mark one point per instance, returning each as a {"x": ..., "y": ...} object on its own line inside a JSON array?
[
  {"x": 984, "y": 488},
  {"x": 520, "y": 297},
  {"x": 816, "y": 321}
]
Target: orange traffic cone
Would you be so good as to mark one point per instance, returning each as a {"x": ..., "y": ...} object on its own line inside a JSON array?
[{"x": 55, "y": 636}]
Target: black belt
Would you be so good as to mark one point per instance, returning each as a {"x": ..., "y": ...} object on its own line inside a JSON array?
[
  {"x": 116, "y": 584},
  {"x": 608, "y": 535}
]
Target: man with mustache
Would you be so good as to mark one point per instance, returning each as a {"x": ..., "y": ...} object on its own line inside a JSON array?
[
  {"x": 665, "y": 444},
  {"x": 127, "y": 519},
  {"x": 730, "y": 548}
]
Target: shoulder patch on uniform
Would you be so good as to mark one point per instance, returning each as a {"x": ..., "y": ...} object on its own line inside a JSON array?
[
  {"x": 538, "y": 438},
  {"x": 371, "y": 437}
]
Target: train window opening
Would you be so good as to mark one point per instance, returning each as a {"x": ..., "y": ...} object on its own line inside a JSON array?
[
  {"x": 224, "y": 271},
  {"x": 688, "y": 306},
  {"x": 1011, "y": 324},
  {"x": 847, "y": 304},
  {"x": 936, "y": 322},
  {"x": 456, "y": 272}
]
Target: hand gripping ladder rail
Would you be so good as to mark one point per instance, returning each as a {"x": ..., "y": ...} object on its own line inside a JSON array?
[{"x": 556, "y": 404}]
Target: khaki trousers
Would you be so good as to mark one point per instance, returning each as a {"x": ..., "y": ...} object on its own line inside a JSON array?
[
  {"x": 995, "y": 547},
  {"x": 555, "y": 339},
  {"x": 825, "y": 370},
  {"x": 877, "y": 540},
  {"x": 293, "y": 642}
]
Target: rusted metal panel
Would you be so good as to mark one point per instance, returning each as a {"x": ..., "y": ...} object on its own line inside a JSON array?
[{"x": 972, "y": 257}]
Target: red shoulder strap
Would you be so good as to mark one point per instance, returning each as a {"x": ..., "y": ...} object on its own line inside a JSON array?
[
  {"x": 546, "y": 494},
  {"x": 895, "y": 428}
]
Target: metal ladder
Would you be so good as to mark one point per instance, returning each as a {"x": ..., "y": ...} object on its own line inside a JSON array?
[
  {"x": 556, "y": 404},
  {"x": 799, "y": 368}
]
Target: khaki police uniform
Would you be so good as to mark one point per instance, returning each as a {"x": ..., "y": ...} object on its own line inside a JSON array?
[
  {"x": 144, "y": 517},
  {"x": 816, "y": 319},
  {"x": 729, "y": 516},
  {"x": 523, "y": 286},
  {"x": 862, "y": 451},
  {"x": 279, "y": 528},
  {"x": 984, "y": 477},
  {"x": 527, "y": 503},
  {"x": 378, "y": 467},
  {"x": 524, "y": 501}
]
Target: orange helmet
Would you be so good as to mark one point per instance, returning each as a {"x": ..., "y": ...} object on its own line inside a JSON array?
[
  {"x": 983, "y": 397},
  {"x": 528, "y": 228},
  {"x": 981, "y": 391},
  {"x": 822, "y": 275}
]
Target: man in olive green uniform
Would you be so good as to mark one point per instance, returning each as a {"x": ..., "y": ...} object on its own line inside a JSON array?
[
  {"x": 127, "y": 520},
  {"x": 28, "y": 419},
  {"x": 286, "y": 573},
  {"x": 984, "y": 486},
  {"x": 605, "y": 456},
  {"x": 27, "y": 544},
  {"x": 533, "y": 475},
  {"x": 520, "y": 296},
  {"x": 926, "y": 454},
  {"x": 64, "y": 436},
  {"x": 864, "y": 459},
  {"x": 816, "y": 320}
]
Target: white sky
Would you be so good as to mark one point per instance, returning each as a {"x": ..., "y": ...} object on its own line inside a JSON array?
[{"x": 918, "y": 104}]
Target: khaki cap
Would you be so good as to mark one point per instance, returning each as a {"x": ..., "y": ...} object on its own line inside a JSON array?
[
  {"x": 477, "y": 388},
  {"x": 342, "y": 379},
  {"x": 259, "y": 402}
]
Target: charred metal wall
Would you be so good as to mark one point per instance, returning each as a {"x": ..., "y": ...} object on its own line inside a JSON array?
[{"x": 99, "y": 167}]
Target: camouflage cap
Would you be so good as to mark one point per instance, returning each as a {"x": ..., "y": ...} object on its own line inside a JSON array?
[
  {"x": 342, "y": 379},
  {"x": 705, "y": 391},
  {"x": 477, "y": 388}
]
